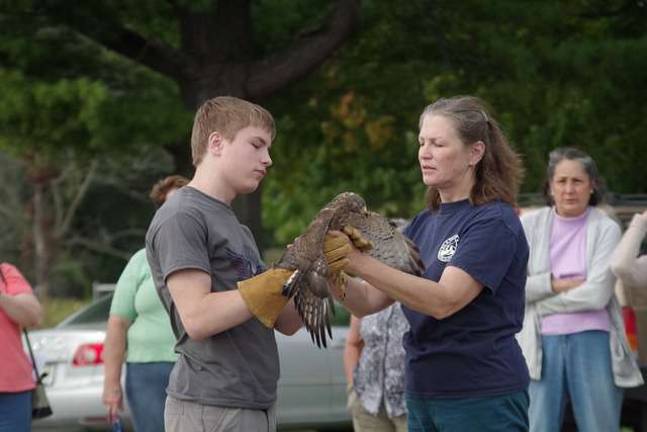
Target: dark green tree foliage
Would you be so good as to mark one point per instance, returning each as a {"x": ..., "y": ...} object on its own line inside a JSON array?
[
  {"x": 118, "y": 77},
  {"x": 355, "y": 126},
  {"x": 562, "y": 73},
  {"x": 210, "y": 48},
  {"x": 66, "y": 106},
  {"x": 557, "y": 73}
]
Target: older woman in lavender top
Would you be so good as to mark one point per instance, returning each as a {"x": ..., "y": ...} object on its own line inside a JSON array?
[{"x": 573, "y": 336}]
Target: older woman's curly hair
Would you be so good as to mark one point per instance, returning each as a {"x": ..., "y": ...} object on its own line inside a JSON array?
[{"x": 161, "y": 189}]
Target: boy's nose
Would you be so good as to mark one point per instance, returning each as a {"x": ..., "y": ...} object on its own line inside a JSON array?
[{"x": 267, "y": 160}]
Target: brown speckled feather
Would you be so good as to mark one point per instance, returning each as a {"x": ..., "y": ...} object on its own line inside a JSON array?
[{"x": 309, "y": 283}]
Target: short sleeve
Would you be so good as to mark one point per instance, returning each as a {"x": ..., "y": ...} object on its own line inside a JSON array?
[
  {"x": 123, "y": 301},
  {"x": 407, "y": 229},
  {"x": 410, "y": 229},
  {"x": 15, "y": 282},
  {"x": 180, "y": 243},
  {"x": 485, "y": 252}
]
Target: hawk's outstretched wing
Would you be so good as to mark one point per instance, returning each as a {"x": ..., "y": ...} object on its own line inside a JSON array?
[{"x": 309, "y": 282}]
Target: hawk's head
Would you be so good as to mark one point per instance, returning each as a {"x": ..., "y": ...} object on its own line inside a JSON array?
[{"x": 348, "y": 202}]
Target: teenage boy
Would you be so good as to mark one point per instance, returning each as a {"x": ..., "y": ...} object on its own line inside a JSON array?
[{"x": 223, "y": 304}]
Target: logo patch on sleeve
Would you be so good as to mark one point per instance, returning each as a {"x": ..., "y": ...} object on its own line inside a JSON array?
[{"x": 448, "y": 249}]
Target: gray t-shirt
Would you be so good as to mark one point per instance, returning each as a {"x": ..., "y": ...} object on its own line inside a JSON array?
[{"x": 237, "y": 368}]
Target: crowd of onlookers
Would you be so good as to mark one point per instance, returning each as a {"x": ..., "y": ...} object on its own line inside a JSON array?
[{"x": 513, "y": 316}]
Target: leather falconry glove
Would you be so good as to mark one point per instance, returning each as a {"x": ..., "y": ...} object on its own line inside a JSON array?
[
  {"x": 263, "y": 293},
  {"x": 337, "y": 250},
  {"x": 356, "y": 237}
]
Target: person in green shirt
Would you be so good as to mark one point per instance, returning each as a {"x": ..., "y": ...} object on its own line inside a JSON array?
[{"x": 139, "y": 332}]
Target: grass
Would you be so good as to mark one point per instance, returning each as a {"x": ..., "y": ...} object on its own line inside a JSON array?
[{"x": 58, "y": 308}]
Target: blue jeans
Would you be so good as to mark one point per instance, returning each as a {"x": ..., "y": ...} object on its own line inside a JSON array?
[
  {"x": 146, "y": 392},
  {"x": 15, "y": 412},
  {"x": 577, "y": 366},
  {"x": 508, "y": 412}
]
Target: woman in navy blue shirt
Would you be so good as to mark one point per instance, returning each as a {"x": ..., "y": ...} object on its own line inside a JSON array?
[{"x": 464, "y": 368}]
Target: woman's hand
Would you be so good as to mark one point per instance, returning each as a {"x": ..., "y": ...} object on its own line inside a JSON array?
[
  {"x": 114, "y": 354},
  {"x": 113, "y": 399}
]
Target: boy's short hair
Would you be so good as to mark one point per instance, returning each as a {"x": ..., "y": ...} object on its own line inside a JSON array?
[
  {"x": 227, "y": 115},
  {"x": 162, "y": 188}
]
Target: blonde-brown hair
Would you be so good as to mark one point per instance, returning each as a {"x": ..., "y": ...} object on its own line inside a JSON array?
[
  {"x": 226, "y": 115},
  {"x": 499, "y": 173},
  {"x": 162, "y": 188}
]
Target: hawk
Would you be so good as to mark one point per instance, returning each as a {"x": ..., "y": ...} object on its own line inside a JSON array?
[{"x": 309, "y": 283}]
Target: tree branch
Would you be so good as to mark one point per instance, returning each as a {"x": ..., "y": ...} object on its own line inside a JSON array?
[
  {"x": 130, "y": 232},
  {"x": 100, "y": 28},
  {"x": 99, "y": 247},
  {"x": 269, "y": 75},
  {"x": 56, "y": 194},
  {"x": 62, "y": 230}
]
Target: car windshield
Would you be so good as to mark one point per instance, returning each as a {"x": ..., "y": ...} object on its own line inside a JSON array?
[{"x": 95, "y": 312}]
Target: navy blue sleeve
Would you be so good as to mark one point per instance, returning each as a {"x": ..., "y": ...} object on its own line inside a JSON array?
[{"x": 485, "y": 250}]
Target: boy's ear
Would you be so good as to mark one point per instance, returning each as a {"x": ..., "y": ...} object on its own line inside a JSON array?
[{"x": 215, "y": 142}]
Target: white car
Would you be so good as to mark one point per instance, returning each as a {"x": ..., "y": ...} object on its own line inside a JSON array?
[{"x": 312, "y": 387}]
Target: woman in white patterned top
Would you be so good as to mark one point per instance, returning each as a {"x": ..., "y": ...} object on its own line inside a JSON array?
[{"x": 374, "y": 365}]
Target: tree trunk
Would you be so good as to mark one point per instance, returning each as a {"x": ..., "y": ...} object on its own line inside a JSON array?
[
  {"x": 42, "y": 243},
  {"x": 218, "y": 56}
]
